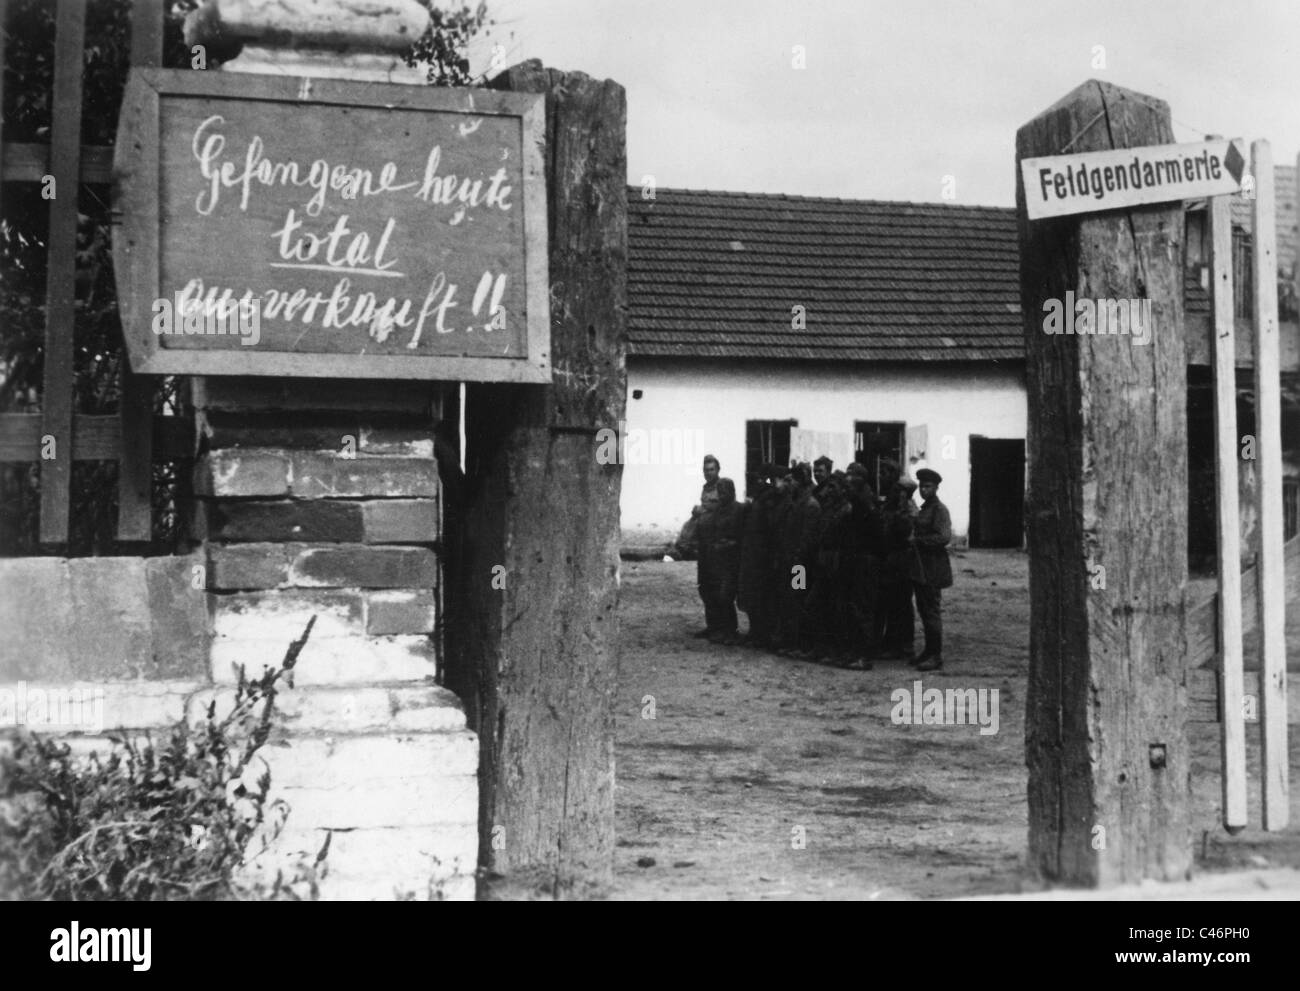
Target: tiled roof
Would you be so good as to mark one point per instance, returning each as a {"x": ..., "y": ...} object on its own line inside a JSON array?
[{"x": 718, "y": 275}]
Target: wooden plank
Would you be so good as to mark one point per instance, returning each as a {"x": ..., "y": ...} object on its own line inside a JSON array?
[
  {"x": 1200, "y": 350},
  {"x": 1202, "y": 616},
  {"x": 135, "y": 466},
  {"x": 1204, "y": 700},
  {"x": 542, "y": 506},
  {"x": 1233, "y": 736},
  {"x": 94, "y": 438},
  {"x": 1268, "y": 430},
  {"x": 60, "y": 286},
  {"x": 3, "y": 35},
  {"x": 135, "y": 474},
  {"x": 146, "y": 32},
  {"x": 1105, "y": 736},
  {"x": 26, "y": 162}
]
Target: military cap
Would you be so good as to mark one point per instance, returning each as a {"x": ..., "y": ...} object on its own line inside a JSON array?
[{"x": 928, "y": 475}]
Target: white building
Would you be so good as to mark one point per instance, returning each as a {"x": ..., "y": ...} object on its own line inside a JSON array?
[
  {"x": 894, "y": 328},
  {"x": 764, "y": 326}
]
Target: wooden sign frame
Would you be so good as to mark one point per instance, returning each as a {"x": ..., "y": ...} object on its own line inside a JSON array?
[{"x": 137, "y": 208}]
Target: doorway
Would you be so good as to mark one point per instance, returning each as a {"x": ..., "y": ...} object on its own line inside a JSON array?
[{"x": 997, "y": 492}]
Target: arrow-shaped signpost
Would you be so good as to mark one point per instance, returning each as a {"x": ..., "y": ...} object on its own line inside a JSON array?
[{"x": 1090, "y": 182}]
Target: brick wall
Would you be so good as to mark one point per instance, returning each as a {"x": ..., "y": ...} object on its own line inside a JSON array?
[{"x": 314, "y": 499}]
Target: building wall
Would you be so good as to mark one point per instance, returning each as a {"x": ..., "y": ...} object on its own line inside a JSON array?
[{"x": 700, "y": 407}]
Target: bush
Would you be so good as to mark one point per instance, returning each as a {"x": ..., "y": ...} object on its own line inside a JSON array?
[{"x": 179, "y": 820}]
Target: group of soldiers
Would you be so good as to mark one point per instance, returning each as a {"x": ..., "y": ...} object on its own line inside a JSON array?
[{"x": 824, "y": 565}]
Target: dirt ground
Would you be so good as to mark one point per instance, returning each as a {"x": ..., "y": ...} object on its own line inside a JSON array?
[{"x": 748, "y": 753}]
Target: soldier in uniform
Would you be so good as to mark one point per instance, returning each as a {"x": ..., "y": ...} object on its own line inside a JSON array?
[
  {"x": 893, "y": 616},
  {"x": 708, "y": 500},
  {"x": 931, "y": 571},
  {"x": 720, "y": 536},
  {"x": 861, "y": 537},
  {"x": 830, "y": 594},
  {"x": 754, "y": 593},
  {"x": 821, "y": 472},
  {"x": 796, "y": 543}
]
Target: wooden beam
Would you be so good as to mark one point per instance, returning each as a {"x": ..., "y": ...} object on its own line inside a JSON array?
[
  {"x": 1202, "y": 616},
  {"x": 4, "y": 34},
  {"x": 1205, "y": 700},
  {"x": 1200, "y": 347},
  {"x": 541, "y": 505},
  {"x": 1105, "y": 738},
  {"x": 135, "y": 475},
  {"x": 1233, "y": 736},
  {"x": 28, "y": 162},
  {"x": 1268, "y": 432},
  {"x": 94, "y": 438},
  {"x": 61, "y": 270}
]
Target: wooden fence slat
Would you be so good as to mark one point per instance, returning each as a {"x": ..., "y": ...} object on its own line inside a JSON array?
[
  {"x": 27, "y": 162},
  {"x": 3, "y": 34},
  {"x": 135, "y": 469},
  {"x": 1268, "y": 432},
  {"x": 60, "y": 287},
  {"x": 1203, "y": 620},
  {"x": 1204, "y": 698},
  {"x": 146, "y": 32},
  {"x": 94, "y": 438},
  {"x": 1233, "y": 726}
]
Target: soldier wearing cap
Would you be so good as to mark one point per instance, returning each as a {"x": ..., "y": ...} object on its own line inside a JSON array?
[
  {"x": 721, "y": 531},
  {"x": 688, "y": 542},
  {"x": 755, "y": 594},
  {"x": 893, "y": 615},
  {"x": 862, "y": 536},
  {"x": 796, "y": 545},
  {"x": 930, "y": 569}
]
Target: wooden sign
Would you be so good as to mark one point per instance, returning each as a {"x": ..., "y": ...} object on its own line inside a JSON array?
[
  {"x": 1107, "y": 180},
  {"x": 319, "y": 227}
]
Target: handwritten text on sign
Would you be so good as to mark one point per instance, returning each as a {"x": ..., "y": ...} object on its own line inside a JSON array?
[
  {"x": 1106, "y": 180},
  {"x": 357, "y": 231}
]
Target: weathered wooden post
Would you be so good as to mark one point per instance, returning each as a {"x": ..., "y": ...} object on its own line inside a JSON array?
[
  {"x": 1268, "y": 430},
  {"x": 1108, "y": 760},
  {"x": 537, "y": 655},
  {"x": 1226, "y": 440}
]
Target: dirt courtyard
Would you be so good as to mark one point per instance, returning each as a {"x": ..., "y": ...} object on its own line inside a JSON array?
[{"x": 760, "y": 777}]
